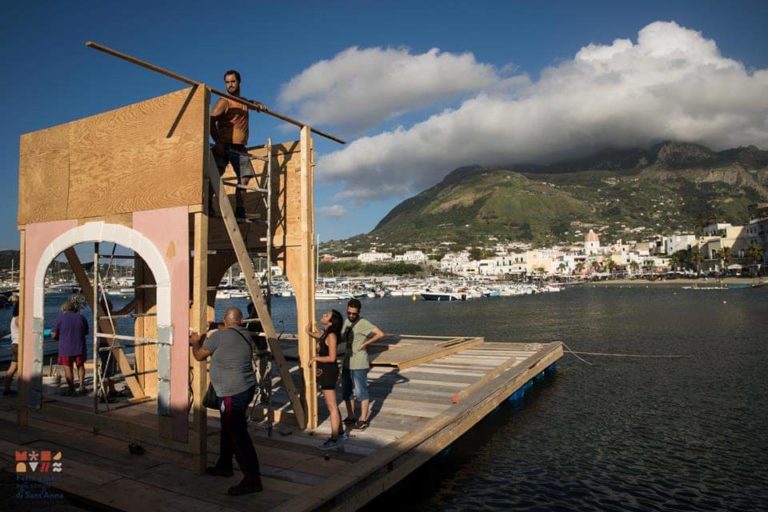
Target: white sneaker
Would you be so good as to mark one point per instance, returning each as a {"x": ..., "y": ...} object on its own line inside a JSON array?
[{"x": 329, "y": 444}]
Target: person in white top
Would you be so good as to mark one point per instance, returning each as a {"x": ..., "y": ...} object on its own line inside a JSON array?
[{"x": 14, "y": 350}]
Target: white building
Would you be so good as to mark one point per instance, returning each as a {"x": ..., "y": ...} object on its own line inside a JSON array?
[
  {"x": 452, "y": 261},
  {"x": 416, "y": 257},
  {"x": 373, "y": 257},
  {"x": 591, "y": 244},
  {"x": 500, "y": 266},
  {"x": 674, "y": 243},
  {"x": 539, "y": 259}
]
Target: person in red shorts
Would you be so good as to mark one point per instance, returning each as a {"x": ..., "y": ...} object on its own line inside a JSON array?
[{"x": 70, "y": 330}]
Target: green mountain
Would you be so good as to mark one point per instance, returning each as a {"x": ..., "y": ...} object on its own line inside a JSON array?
[
  {"x": 6, "y": 256},
  {"x": 671, "y": 187}
]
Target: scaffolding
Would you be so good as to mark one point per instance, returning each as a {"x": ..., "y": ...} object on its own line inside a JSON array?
[{"x": 157, "y": 207}]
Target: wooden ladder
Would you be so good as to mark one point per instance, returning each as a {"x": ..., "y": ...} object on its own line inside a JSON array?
[{"x": 254, "y": 290}]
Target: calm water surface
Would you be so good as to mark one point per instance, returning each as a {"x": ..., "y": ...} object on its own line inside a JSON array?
[{"x": 624, "y": 433}]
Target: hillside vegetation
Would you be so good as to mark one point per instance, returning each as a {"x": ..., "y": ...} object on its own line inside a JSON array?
[{"x": 672, "y": 187}]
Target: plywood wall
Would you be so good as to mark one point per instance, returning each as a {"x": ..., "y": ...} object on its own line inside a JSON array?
[
  {"x": 145, "y": 156},
  {"x": 286, "y": 203}
]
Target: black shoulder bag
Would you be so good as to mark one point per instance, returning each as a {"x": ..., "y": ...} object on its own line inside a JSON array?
[{"x": 211, "y": 400}]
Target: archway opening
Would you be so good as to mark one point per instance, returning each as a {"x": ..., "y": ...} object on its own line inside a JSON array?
[{"x": 114, "y": 343}]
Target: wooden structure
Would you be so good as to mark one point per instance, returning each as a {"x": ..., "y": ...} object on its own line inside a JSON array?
[
  {"x": 416, "y": 413},
  {"x": 141, "y": 177}
]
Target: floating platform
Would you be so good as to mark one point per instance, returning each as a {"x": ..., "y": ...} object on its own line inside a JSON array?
[{"x": 422, "y": 401}]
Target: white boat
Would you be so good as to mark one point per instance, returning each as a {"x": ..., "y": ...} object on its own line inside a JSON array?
[
  {"x": 121, "y": 292},
  {"x": 62, "y": 288},
  {"x": 442, "y": 296},
  {"x": 231, "y": 293},
  {"x": 332, "y": 295}
]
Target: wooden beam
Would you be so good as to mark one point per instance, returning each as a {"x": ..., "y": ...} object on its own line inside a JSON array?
[
  {"x": 22, "y": 413},
  {"x": 140, "y": 269},
  {"x": 246, "y": 265},
  {"x": 305, "y": 293},
  {"x": 104, "y": 326},
  {"x": 62, "y": 412},
  {"x": 510, "y": 363},
  {"x": 440, "y": 352},
  {"x": 258, "y": 106},
  {"x": 198, "y": 320}
]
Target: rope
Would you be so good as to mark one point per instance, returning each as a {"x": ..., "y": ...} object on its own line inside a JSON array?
[
  {"x": 656, "y": 356},
  {"x": 568, "y": 349},
  {"x": 606, "y": 354}
]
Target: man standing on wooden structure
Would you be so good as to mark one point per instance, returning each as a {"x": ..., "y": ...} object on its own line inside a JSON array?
[
  {"x": 358, "y": 333},
  {"x": 231, "y": 350},
  {"x": 229, "y": 129}
]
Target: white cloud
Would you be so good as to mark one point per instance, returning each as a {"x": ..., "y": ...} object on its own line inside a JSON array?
[
  {"x": 335, "y": 210},
  {"x": 360, "y": 88},
  {"x": 672, "y": 84}
]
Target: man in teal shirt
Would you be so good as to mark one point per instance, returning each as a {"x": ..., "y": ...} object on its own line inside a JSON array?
[{"x": 358, "y": 334}]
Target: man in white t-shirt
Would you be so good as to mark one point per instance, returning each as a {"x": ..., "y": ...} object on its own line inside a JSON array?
[{"x": 7, "y": 391}]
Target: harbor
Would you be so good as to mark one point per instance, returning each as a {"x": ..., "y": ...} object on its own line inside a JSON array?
[
  {"x": 576, "y": 436},
  {"x": 428, "y": 389},
  {"x": 429, "y": 257}
]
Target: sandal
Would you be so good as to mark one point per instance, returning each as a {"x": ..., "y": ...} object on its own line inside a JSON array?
[{"x": 362, "y": 425}]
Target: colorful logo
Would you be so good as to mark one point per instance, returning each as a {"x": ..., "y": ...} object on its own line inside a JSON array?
[{"x": 43, "y": 461}]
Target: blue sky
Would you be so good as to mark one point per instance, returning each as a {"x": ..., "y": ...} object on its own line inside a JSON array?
[{"x": 417, "y": 88}]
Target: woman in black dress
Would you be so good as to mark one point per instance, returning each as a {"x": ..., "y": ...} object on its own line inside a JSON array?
[{"x": 328, "y": 369}]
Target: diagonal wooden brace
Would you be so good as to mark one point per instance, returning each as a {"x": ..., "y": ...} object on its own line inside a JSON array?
[{"x": 246, "y": 265}]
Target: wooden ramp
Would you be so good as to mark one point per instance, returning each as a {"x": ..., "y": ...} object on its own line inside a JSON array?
[
  {"x": 405, "y": 351},
  {"x": 400, "y": 350},
  {"x": 418, "y": 411}
]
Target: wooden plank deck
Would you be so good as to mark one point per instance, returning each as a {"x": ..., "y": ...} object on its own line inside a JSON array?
[{"x": 416, "y": 412}]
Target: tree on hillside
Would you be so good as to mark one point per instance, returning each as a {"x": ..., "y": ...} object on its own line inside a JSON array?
[
  {"x": 754, "y": 255},
  {"x": 725, "y": 256},
  {"x": 679, "y": 259},
  {"x": 696, "y": 258}
]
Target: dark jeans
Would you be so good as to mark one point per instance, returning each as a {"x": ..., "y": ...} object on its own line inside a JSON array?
[
  {"x": 232, "y": 154},
  {"x": 235, "y": 439}
]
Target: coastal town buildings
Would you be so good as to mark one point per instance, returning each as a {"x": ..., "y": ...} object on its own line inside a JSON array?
[
  {"x": 415, "y": 257},
  {"x": 374, "y": 256},
  {"x": 591, "y": 243}
]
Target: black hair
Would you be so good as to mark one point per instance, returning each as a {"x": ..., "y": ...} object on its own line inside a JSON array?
[
  {"x": 354, "y": 303},
  {"x": 232, "y": 72},
  {"x": 336, "y": 322}
]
